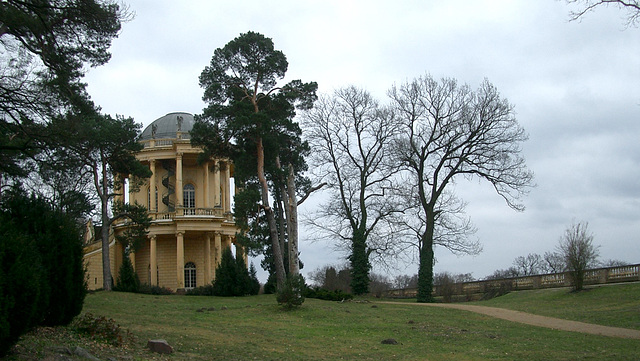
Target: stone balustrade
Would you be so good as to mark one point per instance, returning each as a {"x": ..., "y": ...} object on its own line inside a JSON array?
[
  {"x": 191, "y": 212},
  {"x": 627, "y": 273}
]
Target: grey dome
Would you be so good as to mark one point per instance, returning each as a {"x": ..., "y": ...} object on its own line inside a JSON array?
[{"x": 167, "y": 126}]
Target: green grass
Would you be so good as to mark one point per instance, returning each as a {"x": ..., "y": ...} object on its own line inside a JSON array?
[
  {"x": 609, "y": 305},
  {"x": 256, "y": 328}
]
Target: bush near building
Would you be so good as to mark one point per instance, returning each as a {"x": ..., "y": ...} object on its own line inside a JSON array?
[
  {"x": 233, "y": 278},
  {"x": 42, "y": 276}
]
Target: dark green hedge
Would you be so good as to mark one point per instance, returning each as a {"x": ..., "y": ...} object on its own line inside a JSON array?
[{"x": 42, "y": 276}]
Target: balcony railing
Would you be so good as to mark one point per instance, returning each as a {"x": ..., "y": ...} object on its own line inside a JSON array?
[
  {"x": 181, "y": 213},
  {"x": 164, "y": 142}
]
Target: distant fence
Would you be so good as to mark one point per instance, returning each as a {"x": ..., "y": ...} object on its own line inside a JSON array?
[{"x": 628, "y": 273}]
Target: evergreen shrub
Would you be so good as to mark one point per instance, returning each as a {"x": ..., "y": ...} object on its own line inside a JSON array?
[
  {"x": 233, "y": 278},
  {"x": 326, "y": 295},
  {"x": 271, "y": 286},
  {"x": 22, "y": 294},
  {"x": 154, "y": 290},
  {"x": 201, "y": 291},
  {"x": 292, "y": 294},
  {"x": 42, "y": 275},
  {"x": 128, "y": 280}
]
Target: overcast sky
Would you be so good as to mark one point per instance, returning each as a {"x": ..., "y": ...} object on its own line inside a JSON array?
[{"x": 575, "y": 87}]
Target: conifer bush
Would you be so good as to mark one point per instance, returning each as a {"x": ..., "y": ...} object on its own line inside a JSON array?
[
  {"x": 233, "y": 278},
  {"x": 42, "y": 275},
  {"x": 22, "y": 295},
  {"x": 128, "y": 280},
  {"x": 292, "y": 294}
]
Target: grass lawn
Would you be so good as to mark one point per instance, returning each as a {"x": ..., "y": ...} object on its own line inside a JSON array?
[
  {"x": 255, "y": 328},
  {"x": 610, "y": 305}
]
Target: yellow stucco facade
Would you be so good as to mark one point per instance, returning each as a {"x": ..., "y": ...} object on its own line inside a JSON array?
[{"x": 190, "y": 206}]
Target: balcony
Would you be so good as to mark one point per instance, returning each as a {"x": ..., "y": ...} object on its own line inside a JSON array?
[{"x": 191, "y": 213}]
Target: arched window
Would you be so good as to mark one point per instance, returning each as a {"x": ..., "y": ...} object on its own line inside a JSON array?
[
  {"x": 189, "y": 195},
  {"x": 190, "y": 275}
]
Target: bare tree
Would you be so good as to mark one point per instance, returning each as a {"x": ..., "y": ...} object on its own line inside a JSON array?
[
  {"x": 503, "y": 273},
  {"x": 405, "y": 281},
  {"x": 449, "y": 132},
  {"x": 532, "y": 264},
  {"x": 579, "y": 253},
  {"x": 614, "y": 263},
  {"x": 553, "y": 262},
  {"x": 349, "y": 135},
  {"x": 631, "y": 7}
]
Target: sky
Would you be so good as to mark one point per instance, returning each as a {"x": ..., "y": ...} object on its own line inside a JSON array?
[{"x": 575, "y": 86}]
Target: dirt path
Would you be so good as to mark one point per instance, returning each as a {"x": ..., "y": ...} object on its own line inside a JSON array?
[{"x": 536, "y": 320}]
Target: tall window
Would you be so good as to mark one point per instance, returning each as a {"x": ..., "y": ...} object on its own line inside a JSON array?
[
  {"x": 189, "y": 195},
  {"x": 190, "y": 275}
]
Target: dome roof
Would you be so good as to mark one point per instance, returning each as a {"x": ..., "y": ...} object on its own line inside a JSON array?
[{"x": 168, "y": 126}]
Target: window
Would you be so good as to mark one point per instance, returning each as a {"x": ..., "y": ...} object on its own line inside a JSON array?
[
  {"x": 189, "y": 197},
  {"x": 190, "y": 275}
]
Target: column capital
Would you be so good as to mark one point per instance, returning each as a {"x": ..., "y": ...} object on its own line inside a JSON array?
[{"x": 179, "y": 233}]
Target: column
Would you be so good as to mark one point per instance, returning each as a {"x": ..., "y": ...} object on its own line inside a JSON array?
[
  {"x": 129, "y": 178},
  {"x": 153, "y": 207},
  {"x": 216, "y": 183},
  {"x": 179, "y": 200},
  {"x": 207, "y": 204},
  {"x": 240, "y": 253},
  {"x": 153, "y": 260},
  {"x": 180, "y": 260},
  {"x": 226, "y": 242},
  {"x": 132, "y": 258},
  {"x": 218, "y": 252},
  {"x": 119, "y": 196},
  {"x": 226, "y": 189},
  {"x": 207, "y": 259}
]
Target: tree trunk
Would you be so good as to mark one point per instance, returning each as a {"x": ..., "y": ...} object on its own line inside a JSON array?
[
  {"x": 292, "y": 223},
  {"x": 271, "y": 220},
  {"x": 425, "y": 270},
  {"x": 359, "y": 263},
  {"x": 282, "y": 233},
  {"x": 106, "y": 262}
]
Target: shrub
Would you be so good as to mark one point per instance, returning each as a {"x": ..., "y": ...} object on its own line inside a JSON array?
[
  {"x": 59, "y": 241},
  {"x": 579, "y": 253},
  {"x": 154, "y": 290},
  {"x": 102, "y": 328},
  {"x": 326, "y": 295},
  {"x": 254, "y": 283},
  {"x": 42, "y": 274},
  {"x": 446, "y": 285},
  {"x": 271, "y": 286},
  {"x": 232, "y": 277},
  {"x": 128, "y": 280},
  {"x": 22, "y": 295},
  {"x": 201, "y": 291},
  {"x": 292, "y": 294}
]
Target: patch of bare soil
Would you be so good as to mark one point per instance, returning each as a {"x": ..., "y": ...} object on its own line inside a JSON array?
[{"x": 536, "y": 320}]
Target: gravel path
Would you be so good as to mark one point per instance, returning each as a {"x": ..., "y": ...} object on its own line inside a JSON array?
[{"x": 536, "y": 320}]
